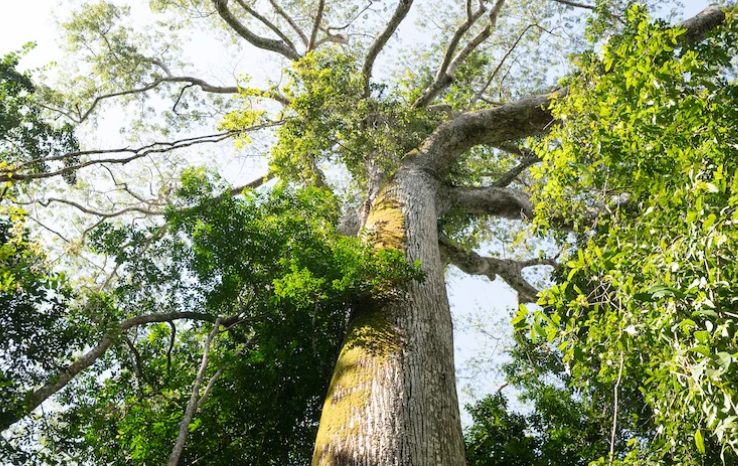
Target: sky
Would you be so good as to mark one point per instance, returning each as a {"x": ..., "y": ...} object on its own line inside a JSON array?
[{"x": 472, "y": 298}]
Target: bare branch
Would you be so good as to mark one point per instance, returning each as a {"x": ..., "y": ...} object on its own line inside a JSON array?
[
  {"x": 280, "y": 11},
  {"x": 267, "y": 23},
  {"x": 316, "y": 25},
  {"x": 253, "y": 184},
  {"x": 203, "y": 85},
  {"x": 209, "y": 387},
  {"x": 89, "y": 211},
  {"x": 528, "y": 159},
  {"x": 184, "y": 425},
  {"x": 278, "y": 46},
  {"x": 491, "y": 267},
  {"x": 450, "y": 63},
  {"x": 403, "y": 7},
  {"x": 504, "y": 58},
  {"x": 59, "y": 381},
  {"x": 15, "y": 173},
  {"x": 575, "y": 4}
]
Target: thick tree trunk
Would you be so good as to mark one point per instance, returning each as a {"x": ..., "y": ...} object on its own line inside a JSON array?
[{"x": 392, "y": 400}]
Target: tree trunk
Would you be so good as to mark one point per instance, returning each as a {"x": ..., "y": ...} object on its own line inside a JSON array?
[{"x": 392, "y": 399}]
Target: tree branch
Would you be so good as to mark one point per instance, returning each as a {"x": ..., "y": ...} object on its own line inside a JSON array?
[
  {"x": 184, "y": 425},
  {"x": 59, "y": 381},
  {"x": 494, "y": 201},
  {"x": 504, "y": 58},
  {"x": 575, "y": 4},
  {"x": 403, "y": 7},
  {"x": 267, "y": 23},
  {"x": 450, "y": 64},
  {"x": 203, "y": 85},
  {"x": 98, "y": 213},
  {"x": 528, "y": 159},
  {"x": 491, "y": 267},
  {"x": 280, "y": 11},
  {"x": 516, "y": 120},
  {"x": 278, "y": 46},
  {"x": 14, "y": 174},
  {"x": 253, "y": 184},
  {"x": 316, "y": 25}
]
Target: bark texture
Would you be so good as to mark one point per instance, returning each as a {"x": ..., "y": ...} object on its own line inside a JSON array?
[{"x": 392, "y": 400}]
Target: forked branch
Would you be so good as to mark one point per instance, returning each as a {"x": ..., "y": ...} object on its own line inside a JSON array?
[
  {"x": 264, "y": 43},
  {"x": 492, "y": 267},
  {"x": 451, "y": 59}
]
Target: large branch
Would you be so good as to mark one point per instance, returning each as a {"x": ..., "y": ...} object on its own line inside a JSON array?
[
  {"x": 278, "y": 46},
  {"x": 403, "y": 7},
  {"x": 521, "y": 119},
  {"x": 492, "y": 267},
  {"x": 35, "y": 398},
  {"x": 493, "y": 201},
  {"x": 267, "y": 23},
  {"x": 316, "y": 24},
  {"x": 516, "y": 120}
]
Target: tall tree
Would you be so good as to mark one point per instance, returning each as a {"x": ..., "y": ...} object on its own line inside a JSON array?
[{"x": 431, "y": 153}]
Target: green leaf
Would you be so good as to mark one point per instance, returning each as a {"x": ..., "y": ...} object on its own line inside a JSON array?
[
  {"x": 699, "y": 441},
  {"x": 702, "y": 336}
]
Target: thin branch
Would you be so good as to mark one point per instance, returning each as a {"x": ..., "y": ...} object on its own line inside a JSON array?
[
  {"x": 450, "y": 63},
  {"x": 316, "y": 25},
  {"x": 184, "y": 425},
  {"x": 60, "y": 380},
  {"x": 529, "y": 158},
  {"x": 280, "y": 11},
  {"x": 172, "y": 338},
  {"x": 351, "y": 21},
  {"x": 89, "y": 211},
  {"x": 209, "y": 387},
  {"x": 192, "y": 81},
  {"x": 278, "y": 46},
  {"x": 253, "y": 184},
  {"x": 575, "y": 4},
  {"x": 491, "y": 78},
  {"x": 403, "y": 7},
  {"x": 137, "y": 153},
  {"x": 137, "y": 366},
  {"x": 616, "y": 392}
]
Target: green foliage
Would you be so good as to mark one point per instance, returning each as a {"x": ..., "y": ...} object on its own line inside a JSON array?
[
  {"x": 37, "y": 333},
  {"x": 25, "y": 137},
  {"x": 329, "y": 120},
  {"x": 645, "y": 162},
  {"x": 275, "y": 261}
]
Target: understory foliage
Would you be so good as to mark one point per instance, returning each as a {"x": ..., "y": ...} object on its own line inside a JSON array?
[
  {"x": 643, "y": 169},
  {"x": 272, "y": 261}
]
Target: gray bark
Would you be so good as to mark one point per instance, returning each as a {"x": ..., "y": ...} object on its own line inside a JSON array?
[{"x": 393, "y": 397}]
